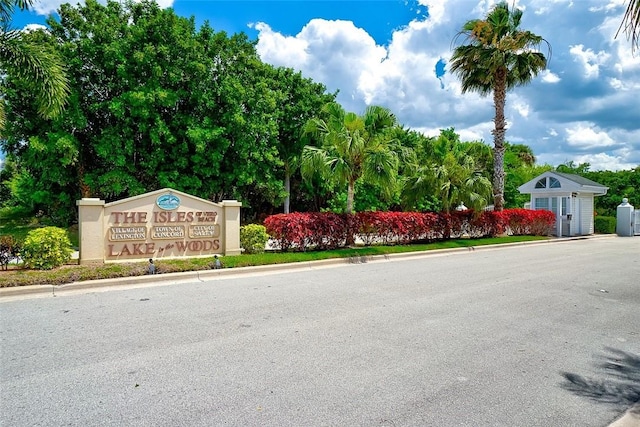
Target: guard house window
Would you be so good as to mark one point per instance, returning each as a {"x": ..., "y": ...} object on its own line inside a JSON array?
[
  {"x": 553, "y": 183},
  {"x": 542, "y": 204},
  {"x": 548, "y": 204}
]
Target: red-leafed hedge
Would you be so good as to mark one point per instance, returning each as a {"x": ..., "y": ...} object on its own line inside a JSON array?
[
  {"x": 311, "y": 229},
  {"x": 303, "y": 231},
  {"x": 527, "y": 222}
]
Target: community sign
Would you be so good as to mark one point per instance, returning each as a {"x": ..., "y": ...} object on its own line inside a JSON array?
[{"x": 161, "y": 224}]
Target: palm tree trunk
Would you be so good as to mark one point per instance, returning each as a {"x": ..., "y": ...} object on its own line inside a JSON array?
[
  {"x": 287, "y": 188},
  {"x": 350, "y": 192},
  {"x": 499, "y": 100}
]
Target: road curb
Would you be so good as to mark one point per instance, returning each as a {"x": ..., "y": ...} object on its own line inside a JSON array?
[
  {"x": 631, "y": 418},
  {"x": 201, "y": 275}
]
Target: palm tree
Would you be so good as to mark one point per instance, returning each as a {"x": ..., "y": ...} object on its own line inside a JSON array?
[
  {"x": 22, "y": 58},
  {"x": 631, "y": 24},
  {"x": 499, "y": 57},
  {"x": 452, "y": 176},
  {"x": 352, "y": 147}
]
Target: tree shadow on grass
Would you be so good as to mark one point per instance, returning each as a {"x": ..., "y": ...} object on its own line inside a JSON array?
[{"x": 620, "y": 388}]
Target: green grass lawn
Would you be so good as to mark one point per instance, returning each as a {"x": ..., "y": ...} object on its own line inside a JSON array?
[
  {"x": 73, "y": 273},
  {"x": 14, "y": 222}
]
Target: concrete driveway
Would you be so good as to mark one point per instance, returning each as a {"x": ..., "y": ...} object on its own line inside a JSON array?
[{"x": 476, "y": 338}]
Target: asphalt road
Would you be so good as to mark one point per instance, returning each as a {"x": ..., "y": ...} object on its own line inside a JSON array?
[{"x": 477, "y": 338}]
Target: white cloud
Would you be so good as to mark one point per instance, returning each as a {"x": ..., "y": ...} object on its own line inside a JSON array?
[
  {"x": 521, "y": 106},
  {"x": 604, "y": 161},
  {"x": 584, "y": 136},
  {"x": 281, "y": 50},
  {"x": 590, "y": 60},
  {"x": 34, "y": 27},
  {"x": 45, "y": 7},
  {"x": 549, "y": 77}
]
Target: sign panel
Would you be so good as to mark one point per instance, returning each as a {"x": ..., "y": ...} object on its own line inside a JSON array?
[{"x": 163, "y": 224}]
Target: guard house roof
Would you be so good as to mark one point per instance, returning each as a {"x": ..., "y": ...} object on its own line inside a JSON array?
[{"x": 559, "y": 182}]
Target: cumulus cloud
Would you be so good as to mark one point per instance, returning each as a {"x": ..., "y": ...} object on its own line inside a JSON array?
[
  {"x": 590, "y": 60},
  {"x": 549, "y": 77},
  {"x": 604, "y": 161},
  {"x": 584, "y": 136}
]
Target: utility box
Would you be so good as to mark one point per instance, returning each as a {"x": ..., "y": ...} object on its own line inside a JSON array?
[{"x": 625, "y": 219}]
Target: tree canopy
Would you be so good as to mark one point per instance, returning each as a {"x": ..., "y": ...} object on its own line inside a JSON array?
[{"x": 155, "y": 103}]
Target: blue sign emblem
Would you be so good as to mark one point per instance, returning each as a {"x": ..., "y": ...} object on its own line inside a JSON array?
[{"x": 168, "y": 202}]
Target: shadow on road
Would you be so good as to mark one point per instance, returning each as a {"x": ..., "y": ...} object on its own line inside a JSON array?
[{"x": 619, "y": 388}]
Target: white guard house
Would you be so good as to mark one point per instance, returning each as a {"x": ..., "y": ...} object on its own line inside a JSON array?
[{"x": 568, "y": 196}]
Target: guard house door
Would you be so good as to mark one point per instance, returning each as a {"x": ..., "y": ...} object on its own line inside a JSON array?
[{"x": 566, "y": 215}]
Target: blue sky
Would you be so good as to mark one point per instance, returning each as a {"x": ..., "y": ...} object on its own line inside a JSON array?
[{"x": 583, "y": 108}]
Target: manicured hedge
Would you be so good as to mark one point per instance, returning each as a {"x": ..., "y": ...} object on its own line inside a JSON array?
[
  {"x": 520, "y": 222},
  {"x": 604, "y": 224},
  {"x": 313, "y": 230}
]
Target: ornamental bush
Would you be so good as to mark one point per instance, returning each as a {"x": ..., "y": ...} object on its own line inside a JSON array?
[
  {"x": 253, "y": 238},
  {"x": 303, "y": 231},
  {"x": 604, "y": 224},
  {"x": 528, "y": 222},
  {"x": 46, "y": 248}
]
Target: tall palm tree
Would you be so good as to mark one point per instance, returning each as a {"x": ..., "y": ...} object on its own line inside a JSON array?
[
  {"x": 631, "y": 24},
  {"x": 498, "y": 57},
  {"x": 352, "y": 147},
  {"x": 22, "y": 58}
]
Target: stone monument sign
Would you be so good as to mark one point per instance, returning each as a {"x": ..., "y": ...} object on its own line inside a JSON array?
[{"x": 161, "y": 224}]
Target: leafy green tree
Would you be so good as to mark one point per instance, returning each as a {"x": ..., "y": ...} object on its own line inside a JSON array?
[
  {"x": 498, "y": 57},
  {"x": 154, "y": 103},
  {"x": 299, "y": 100},
  {"x": 37, "y": 63},
  {"x": 352, "y": 147}
]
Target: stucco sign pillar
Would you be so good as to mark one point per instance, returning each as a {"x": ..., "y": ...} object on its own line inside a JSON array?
[
  {"x": 90, "y": 230},
  {"x": 161, "y": 224}
]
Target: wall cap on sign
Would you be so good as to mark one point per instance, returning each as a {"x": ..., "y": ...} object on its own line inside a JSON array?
[
  {"x": 89, "y": 201},
  {"x": 168, "y": 202}
]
